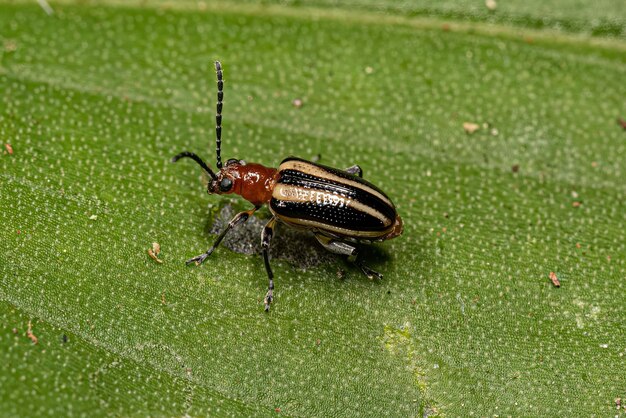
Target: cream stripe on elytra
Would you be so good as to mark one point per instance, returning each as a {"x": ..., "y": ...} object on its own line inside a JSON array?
[
  {"x": 305, "y": 223},
  {"x": 292, "y": 193},
  {"x": 314, "y": 170}
]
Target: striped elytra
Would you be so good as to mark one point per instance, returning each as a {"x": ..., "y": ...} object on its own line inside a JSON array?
[{"x": 328, "y": 200}]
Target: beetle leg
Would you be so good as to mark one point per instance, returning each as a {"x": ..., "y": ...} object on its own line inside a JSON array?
[
  {"x": 355, "y": 169},
  {"x": 266, "y": 238},
  {"x": 239, "y": 218},
  {"x": 337, "y": 247},
  {"x": 344, "y": 248},
  {"x": 371, "y": 274}
]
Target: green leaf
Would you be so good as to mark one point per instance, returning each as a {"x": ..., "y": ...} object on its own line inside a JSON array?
[{"x": 96, "y": 99}]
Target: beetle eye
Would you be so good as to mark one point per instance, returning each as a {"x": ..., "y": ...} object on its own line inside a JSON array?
[
  {"x": 226, "y": 184},
  {"x": 232, "y": 161}
]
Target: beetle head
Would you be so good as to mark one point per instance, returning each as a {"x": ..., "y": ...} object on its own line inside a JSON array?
[{"x": 227, "y": 178}]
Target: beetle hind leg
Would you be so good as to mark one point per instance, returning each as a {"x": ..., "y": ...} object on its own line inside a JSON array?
[{"x": 349, "y": 250}]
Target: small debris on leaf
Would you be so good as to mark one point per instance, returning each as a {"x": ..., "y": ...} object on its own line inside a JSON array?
[
  {"x": 369, "y": 70},
  {"x": 491, "y": 4},
  {"x": 64, "y": 339},
  {"x": 10, "y": 45},
  {"x": 93, "y": 217},
  {"x": 297, "y": 103},
  {"x": 621, "y": 122},
  {"x": 445, "y": 27},
  {"x": 29, "y": 334},
  {"x": 277, "y": 409},
  {"x": 578, "y": 245},
  {"x": 515, "y": 168},
  {"x": 470, "y": 127},
  {"x": 162, "y": 297},
  {"x": 9, "y": 148},
  {"x": 618, "y": 402},
  {"x": 554, "y": 279},
  {"x": 14, "y": 330},
  {"x": 576, "y": 204},
  {"x": 154, "y": 251}
]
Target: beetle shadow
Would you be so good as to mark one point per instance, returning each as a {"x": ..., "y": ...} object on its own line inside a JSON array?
[{"x": 299, "y": 248}]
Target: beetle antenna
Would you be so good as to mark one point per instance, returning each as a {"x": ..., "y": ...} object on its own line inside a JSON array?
[
  {"x": 218, "y": 114},
  {"x": 196, "y": 159}
]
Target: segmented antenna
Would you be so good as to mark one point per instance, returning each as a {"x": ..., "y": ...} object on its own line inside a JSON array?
[
  {"x": 187, "y": 154},
  {"x": 218, "y": 115}
]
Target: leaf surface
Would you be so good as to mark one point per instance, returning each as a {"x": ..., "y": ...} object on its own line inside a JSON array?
[{"x": 96, "y": 99}]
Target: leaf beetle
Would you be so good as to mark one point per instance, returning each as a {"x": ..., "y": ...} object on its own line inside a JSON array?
[{"x": 339, "y": 207}]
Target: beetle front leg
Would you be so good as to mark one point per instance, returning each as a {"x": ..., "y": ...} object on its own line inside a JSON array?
[
  {"x": 355, "y": 170},
  {"x": 239, "y": 218},
  {"x": 266, "y": 239}
]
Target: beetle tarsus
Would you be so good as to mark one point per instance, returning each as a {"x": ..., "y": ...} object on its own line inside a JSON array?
[
  {"x": 268, "y": 299},
  {"x": 371, "y": 274},
  {"x": 199, "y": 259}
]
